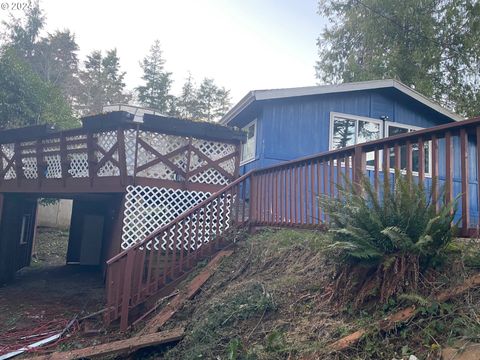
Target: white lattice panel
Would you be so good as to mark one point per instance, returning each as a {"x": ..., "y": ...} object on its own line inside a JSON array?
[
  {"x": 9, "y": 151},
  {"x": 215, "y": 151},
  {"x": 163, "y": 144},
  {"x": 130, "y": 144},
  {"x": 78, "y": 165},
  {"x": 211, "y": 220},
  {"x": 210, "y": 176},
  {"x": 29, "y": 165},
  {"x": 54, "y": 166},
  {"x": 148, "y": 208},
  {"x": 106, "y": 140}
]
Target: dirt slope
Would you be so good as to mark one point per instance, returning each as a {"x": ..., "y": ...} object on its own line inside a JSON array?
[{"x": 270, "y": 300}]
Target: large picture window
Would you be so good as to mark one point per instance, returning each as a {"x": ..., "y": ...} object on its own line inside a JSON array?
[
  {"x": 249, "y": 147},
  {"x": 346, "y": 130}
]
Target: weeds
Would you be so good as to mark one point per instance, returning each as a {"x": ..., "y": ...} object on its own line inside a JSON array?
[{"x": 225, "y": 312}]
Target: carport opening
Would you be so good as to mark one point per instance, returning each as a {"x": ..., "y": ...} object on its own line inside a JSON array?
[
  {"x": 50, "y": 242},
  {"x": 79, "y": 231}
]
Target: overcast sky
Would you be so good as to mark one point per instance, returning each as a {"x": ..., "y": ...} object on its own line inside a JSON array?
[{"x": 242, "y": 44}]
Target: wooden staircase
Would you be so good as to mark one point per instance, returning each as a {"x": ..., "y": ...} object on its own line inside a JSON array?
[{"x": 141, "y": 271}]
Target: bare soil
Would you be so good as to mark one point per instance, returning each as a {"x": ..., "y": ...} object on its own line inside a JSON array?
[{"x": 49, "y": 292}]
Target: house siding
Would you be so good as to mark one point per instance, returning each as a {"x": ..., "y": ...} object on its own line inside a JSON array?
[{"x": 291, "y": 128}]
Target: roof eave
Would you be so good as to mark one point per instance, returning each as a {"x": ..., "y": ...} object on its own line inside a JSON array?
[
  {"x": 426, "y": 101},
  {"x": 273, "y": 94},
  {"x": 237, "y": 109}
]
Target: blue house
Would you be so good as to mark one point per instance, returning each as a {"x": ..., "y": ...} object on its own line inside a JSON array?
[{"x": 285, "y": 124}]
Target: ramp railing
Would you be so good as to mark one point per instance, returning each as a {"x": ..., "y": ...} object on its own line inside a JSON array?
[{"x": 140, "y": 271}]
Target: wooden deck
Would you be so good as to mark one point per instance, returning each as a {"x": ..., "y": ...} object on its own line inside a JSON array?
[{"x": 111, "y": 152}]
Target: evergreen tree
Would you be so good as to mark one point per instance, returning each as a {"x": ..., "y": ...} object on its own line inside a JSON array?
[
  {"x": 25, "y": 99},
  {"x": 213, "y": 102},
  {"x": 22, "y": 34},
  {"x": 56, "y": 62},
  {"x": 53, "y": 57},
  {"x": 101, "y": 82},
  {"x": 155, "y": 93},
  {"x": 187, "y": 105},
  {"x": 433, "y": 46}
]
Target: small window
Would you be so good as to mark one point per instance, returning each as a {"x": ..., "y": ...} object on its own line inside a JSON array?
[
  {"x": 396, "y": 129},
  {"x": 347, "y": 130},
  {"x": 25, "y": 231},
  {"x": 249, "y": 147}
]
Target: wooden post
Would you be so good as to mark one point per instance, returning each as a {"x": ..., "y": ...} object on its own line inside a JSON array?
[
  {"x": 122, "y": 159},
  {"x": 127, "y": 289},
  {"x": 448, "y": 168},
  {"x": 359, "y": 167},
  {"x": 464, "y": 180},
  {"x": 252, "y": 211},
  {"x": 435, "y": 172}
]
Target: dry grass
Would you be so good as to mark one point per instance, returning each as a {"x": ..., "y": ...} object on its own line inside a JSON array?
[{"x": 273, "y": 300}]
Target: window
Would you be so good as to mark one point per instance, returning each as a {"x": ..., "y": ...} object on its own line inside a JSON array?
[
  {"x": 25, "y": 231},
  {"x": 346, "y": 130},
  {"x": 395, "y": 129},
  {"x": 249, "y": 147}
]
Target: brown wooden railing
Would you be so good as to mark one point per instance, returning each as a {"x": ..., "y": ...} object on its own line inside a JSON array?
[
  {"x": 166, "y": 254},
  {"x": 286, "y": 195},
  {"x": 108, "y": 158}
]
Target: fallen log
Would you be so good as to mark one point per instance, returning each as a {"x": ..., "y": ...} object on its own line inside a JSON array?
[
  {"x": 120, "y": 346},
  {"x": 403, "y": 315},
  {"x": 179, "y": 300}
]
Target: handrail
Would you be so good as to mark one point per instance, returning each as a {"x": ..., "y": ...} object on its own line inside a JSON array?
[
  {"x": 180, "y": 217},
  {"x": 400, "y": 138}
]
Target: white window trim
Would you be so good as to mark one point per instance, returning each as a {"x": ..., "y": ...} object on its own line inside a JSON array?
[
  {"x": 428, "y": 172},
  {"x": 351, "y": 117},
  {"x": 384, "y": 127},
  {"x": 254, "y": 156},
  {"x": 356, "y": 118}
]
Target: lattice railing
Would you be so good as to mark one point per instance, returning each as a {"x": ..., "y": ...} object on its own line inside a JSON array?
[
  {"x": 148, "y": 208},
  {"x": 171, "y": 250},
  {"x": 169, "y": 157},
  {"x": 120, "y": 152}
]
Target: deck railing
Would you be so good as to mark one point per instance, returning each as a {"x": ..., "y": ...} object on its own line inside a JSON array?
[
  {"x": 286, "y": 195},
  {"x": 445, "y": 157},
  {"x": 110, "y": 158},
  {"x": 166, "y": 254}
]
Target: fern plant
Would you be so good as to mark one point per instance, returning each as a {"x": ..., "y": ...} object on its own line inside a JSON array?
[{"x": 382, "y": 243}]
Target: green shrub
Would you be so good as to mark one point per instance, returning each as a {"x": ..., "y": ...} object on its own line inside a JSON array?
[{"x": 382, "y": 243}]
